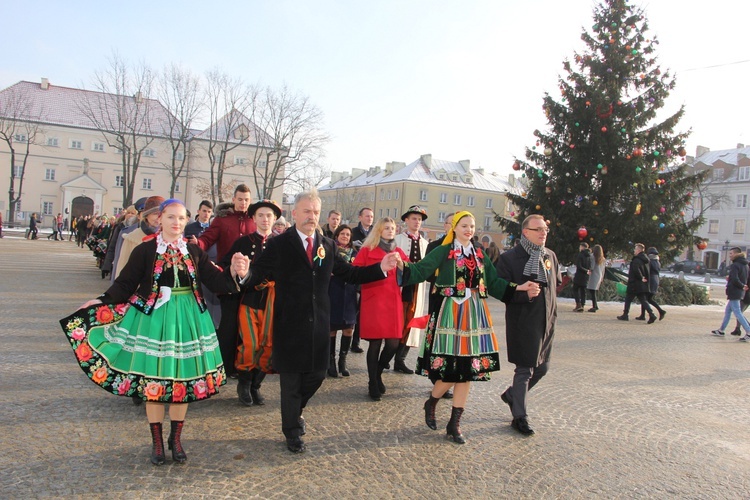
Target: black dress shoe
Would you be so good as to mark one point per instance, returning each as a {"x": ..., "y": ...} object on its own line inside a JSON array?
[
  {"x": 641, "y": 318},
  {"x": 522, "y": 425},
  {"x": 295, "y": 445},
  {"x": 357, "y": 349},
  {"x": 506, "y": 399},
  {"x": 651, "y": 319}
]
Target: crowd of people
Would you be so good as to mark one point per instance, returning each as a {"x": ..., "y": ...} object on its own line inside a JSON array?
[{"x": 238, "y": 293}]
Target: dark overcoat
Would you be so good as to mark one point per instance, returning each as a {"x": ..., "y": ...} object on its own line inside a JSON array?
[
  {"x": 302, "y": 308},
  {"x": 584, "y": 264},
  {"x": 737, "y": 278},
  {"x": 639, "y": 269},
  {"x": 529, "y": 324}
]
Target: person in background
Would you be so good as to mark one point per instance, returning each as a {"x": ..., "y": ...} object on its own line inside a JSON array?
[
  {"x": 736, "y": 290},
  {"x": 279, "y": 226},
  {"x": 333, "y": 221},
  {"x": 653, "y": 283},
  {"x": 493, "y": 252},
  {"x": 366, "y": 217},
  {"x": 584, "y": 263},
  {"x": 196, "y": 228},
  {"x": 33, "y": 227},
  {"x": 343, "y": 297},
  {"x": 596, "y": 276},
  {"x": 638, "y": 285},
  {"x": 1, "y": 224}
]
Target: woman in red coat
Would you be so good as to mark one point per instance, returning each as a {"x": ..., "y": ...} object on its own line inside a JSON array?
[{"x": 381, "y": 313}]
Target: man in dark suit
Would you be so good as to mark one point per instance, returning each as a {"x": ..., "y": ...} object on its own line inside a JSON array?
[
  {"x": 301, "y": 262},
  {"x": 529, "y": 323}
]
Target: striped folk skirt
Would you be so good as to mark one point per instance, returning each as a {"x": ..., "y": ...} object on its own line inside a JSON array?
[{"x": 460, "y": 344}]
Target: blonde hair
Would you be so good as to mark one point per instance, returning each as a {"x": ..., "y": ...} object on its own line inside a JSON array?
[
  {"x": 598, "y": 254},
  {"x": 373, "y": 238}
]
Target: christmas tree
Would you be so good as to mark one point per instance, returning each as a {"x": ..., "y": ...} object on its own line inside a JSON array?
[{"x": 606, "y": 171}]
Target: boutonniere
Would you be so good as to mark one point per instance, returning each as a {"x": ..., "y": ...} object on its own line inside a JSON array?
[
  {"x": 548, "y": 264},
  {"x": 452, "y": 254},
  {"x": 320, "y": 255}
]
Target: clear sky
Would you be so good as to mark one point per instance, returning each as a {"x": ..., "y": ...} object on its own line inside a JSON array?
[{"x": 394, "y": 78}]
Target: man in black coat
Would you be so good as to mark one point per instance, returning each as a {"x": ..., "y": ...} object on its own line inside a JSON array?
[
  {"x": 584, "y": 264},
  {"x": 529, "y": 323},
  {"x": 301, "y": 262},
  {"x": 359, "y": 233},
  {"x": 638, "y": 276}
]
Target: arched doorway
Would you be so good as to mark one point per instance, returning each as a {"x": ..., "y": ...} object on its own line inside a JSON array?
[{"x": 82, "y": 205}]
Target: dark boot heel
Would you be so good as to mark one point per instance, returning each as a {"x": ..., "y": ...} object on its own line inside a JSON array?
[
  {"x": 157, "y": 442},
  {"x": 453, "y": 429},
  {"x": 174, "y": 443},
  {"x": 429, "y": 412}
]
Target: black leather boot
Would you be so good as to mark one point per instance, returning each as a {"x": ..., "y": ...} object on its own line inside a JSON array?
[
  {"x": 379, "y": 380},
  {"x": 343, "y": 351},
  {"x": 157, "y": 442},
  {"x": 453, "y": 429},
  {"x": 400, "y": 364},
  {"x": 174, "y": 443},
  {"x": 258, "y": 377},
  {"x": 244, "y": 382},
  {"x": 429, "y": 412},
  {"x": 332, "y": 358}
]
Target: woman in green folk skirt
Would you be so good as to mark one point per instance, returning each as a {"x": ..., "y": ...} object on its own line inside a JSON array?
[{"x": 150, "y": 336}]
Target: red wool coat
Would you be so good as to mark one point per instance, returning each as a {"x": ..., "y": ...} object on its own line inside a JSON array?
[{"x": 381, "y": 313}]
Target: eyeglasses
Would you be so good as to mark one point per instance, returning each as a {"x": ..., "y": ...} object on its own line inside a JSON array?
[{"x": 539, "y": 229}]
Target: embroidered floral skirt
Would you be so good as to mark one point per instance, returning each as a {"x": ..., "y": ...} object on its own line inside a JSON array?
[
  {"x": 169, "y": 356},
  {"x": 460, "y": 344}
]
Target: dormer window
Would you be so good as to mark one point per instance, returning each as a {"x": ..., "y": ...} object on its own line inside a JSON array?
[{"x": 241, "y": 133}]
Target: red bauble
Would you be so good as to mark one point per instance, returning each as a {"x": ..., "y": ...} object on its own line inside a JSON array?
[
  {"x": 701, "y": 245},
  {"x": 516, "y": 165},
  {"x": 582, "y": 233}
]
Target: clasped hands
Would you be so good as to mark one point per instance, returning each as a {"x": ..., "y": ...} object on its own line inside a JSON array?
[
  {"x": 240, "y": 265},
  {"x": 531, "y": 288}
]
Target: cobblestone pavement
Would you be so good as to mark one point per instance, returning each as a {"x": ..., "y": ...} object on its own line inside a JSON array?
[{"x": 628, "y": 410}]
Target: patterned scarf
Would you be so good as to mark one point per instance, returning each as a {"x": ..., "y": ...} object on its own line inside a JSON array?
[{"x": 535, "y": 265}]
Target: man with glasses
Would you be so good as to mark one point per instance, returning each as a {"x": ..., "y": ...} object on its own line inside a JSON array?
[{"x": 529, "y": 322}]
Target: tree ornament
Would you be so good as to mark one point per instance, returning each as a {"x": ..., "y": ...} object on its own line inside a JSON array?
[
  {"x": 661, "y": 225},
  {"x": 605, "y": 170},
  {"x": 538, "y": 207},
  {"x": 548, "y": 190},
  {"x": 606, "y": 231},
  {"x": 701, "y": 245},
  {"x": 562, "y": 202},
  {"x": 599, "y": 166},
  {"x": 671, "y": 238},
  {"x": 682, "y": 152},
  {"x": 547, "y": 151},
  {"x": 595, "y": 203},
  {"x": 582, "y": 233},
  {"x": 635, "y": 184},
  {"x": 638, "y": 169},
  {"x": 654, "y": 217},
  {"x": 663, "y": 209},
  {"x": 656, "y": 153},
  {"x": 516, "y": 165},
  {"x": 604, "y": 129},
  {"x": 637, "y": 152},
  {"x": 638, "y": 209}
]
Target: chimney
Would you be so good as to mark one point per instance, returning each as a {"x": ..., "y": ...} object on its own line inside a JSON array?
[
  {"x": 397, "y": 165},
  {"x": 427, "y": 160},
  {"x": 701, "y": 150},
  {"x": 336, "y": 176},
  {"x": 138, "y": 97},
  {"x": 45, "y": 83},
  {"x": 740, "y": 145},
  {"x": 480, "y": 170}
]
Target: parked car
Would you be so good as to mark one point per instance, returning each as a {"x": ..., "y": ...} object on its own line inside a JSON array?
[{"x": 688, "y": 266}]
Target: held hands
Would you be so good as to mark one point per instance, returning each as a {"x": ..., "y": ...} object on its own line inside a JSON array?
[
  {"x": 531, "y": 288},
  {"x": 240, "y": 265},
  {"x": 390, "y": 262}
]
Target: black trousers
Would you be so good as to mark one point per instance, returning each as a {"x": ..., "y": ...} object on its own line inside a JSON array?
[
  {"x": 579, "y": 293},
  {"x": 524, "y": 378},
  {"x": 296, "y": 391},
  {"x": 650, "y": 299},
  {"x": 642, "y": 298},
  {"x": 228, "y": 332}
]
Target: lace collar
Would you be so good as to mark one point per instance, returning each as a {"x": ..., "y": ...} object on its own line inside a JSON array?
[{"x": 179, "y": 245}]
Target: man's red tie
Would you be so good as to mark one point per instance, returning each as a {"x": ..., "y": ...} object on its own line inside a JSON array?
[{"x": 309, "y": 249}]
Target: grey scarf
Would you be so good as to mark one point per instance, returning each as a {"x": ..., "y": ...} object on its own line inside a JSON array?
[
  {"x": 535, "y": 265},
  {"x": 387, "y": 245}
]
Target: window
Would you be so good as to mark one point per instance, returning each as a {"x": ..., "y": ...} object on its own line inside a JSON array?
[
  {"x": 47, "y": 208},
  {"x": 469, "y": 201},
  {"x": 395, "y": 194},
  {"x": 441, "y": 216},
  {"x": 177, "y": 186},
  {"x": 179, "y": 156},
  {"x": 713, "y": 226},
  {"x": 487, "y": 222},
  {"x": 239, "y": 160},
  {"x": 49, "y": 174},
  {"x": 380, "y": 214},
  {"x": 422, "y": 195},
  {"x": 18, "y": 206},
  {"x": 261, "y": 163},
  {"x": 97, "y": 146},
  {"x": 382, "y": 194},
  {"x": 117, "y": 211},
  {"x": 76, "y": 144},
  {"x": 146, "y": 183},
  {"x": 456, "y": 199},
  {"x": 389, "y": 194},
  {"x": 53, "y": 142},
  {"x": 20, "y": 138},
  {"x": 743, "y": 174},
  {"x": 149, "y": 153},
  {"x": 17, "y": 171},
  {"x": 489, "y": 203},
  {"x": 718, "y": 174},
  {"x": 372, "y": 197},
  {"x": 387, "y": 212},
  {"x": 739, "y": 226},
  {"x": 443, "y": 197},
  {"x": 741, "y": 201},
  {"x": 119, "y": 181}
]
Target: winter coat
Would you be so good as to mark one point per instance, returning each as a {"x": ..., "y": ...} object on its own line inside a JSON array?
[
  {"x": 359, "y": 233},
  {"x": 584, "y": 263},
  {"x": 653, "y": 273},
  {"x": 596, "y": 277},
  {"x": 639, "y": 269},
  {"x": 381, "y": 312},
  {"x": 225, "y": 229},
  {"x": 530, "y": 324},
  {"x": 343, "y": 297},
  {"x": 301, "y": 320},
  {"x": 737, "y": 278}
]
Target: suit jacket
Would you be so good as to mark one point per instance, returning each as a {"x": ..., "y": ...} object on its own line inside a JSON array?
[
  {"x": 529, "y": 325},
  {"x": 301, "y": 323}
]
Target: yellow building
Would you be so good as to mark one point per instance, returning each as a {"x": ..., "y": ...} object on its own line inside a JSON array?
[{"x": 441, "y": 187}]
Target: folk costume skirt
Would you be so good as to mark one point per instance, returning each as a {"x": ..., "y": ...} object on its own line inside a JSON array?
[
  {"x": 460, "y": 344},
  {"x": 169, "y": 356},
  {"x": 256, "y": 335}
]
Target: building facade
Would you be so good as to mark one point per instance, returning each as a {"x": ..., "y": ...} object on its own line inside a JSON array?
[
  {"x": 73, "y": 168},
  {"x": 440, "y": 187}
]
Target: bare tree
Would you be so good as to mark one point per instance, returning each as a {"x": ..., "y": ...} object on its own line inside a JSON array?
[
  {"x": 178, "y": 91},
  {"x": 305, "y": 179},
  {"x": 122, "y": 111},
  {"x": 19, "y": 129},
  {"x": 227, "y": 101},
  {"x": 289, "y": 136}
]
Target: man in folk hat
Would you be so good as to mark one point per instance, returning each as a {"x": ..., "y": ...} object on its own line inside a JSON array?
[
  {"x": 413, "y": 297},
  {"x": 255, "y": 318}
]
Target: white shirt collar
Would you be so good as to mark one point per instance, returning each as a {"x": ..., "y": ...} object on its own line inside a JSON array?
[{"x": 180, "y": 244}]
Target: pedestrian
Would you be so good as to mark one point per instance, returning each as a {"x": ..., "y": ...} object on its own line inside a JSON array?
[
  {"x": 54, "y": 229},
  {"x": 149, "y": 334},
  {"x": 584, "y": 263},
  {"x": 529, "y": 321},
  {"x": 301, "y": 262},
  {"x": 493, "y": 251},
  {"x": 252, "y": 359},
  {"x": 597, "y": 275},
  {"x": 380, "y": 310},
  {"x": 638, "y": 285},
  {"x": 333, "y": 222},
  {"x": 414, "y": 297},
  {"x": 279, "y": 226},
  {"x": 736, "y": 290},
  {"x": 1, "y": 224},
  {"x": 366, "y": 217},
  {"x": 460, "y": 346},
  {"x": 127, "y": 218},
  {"x": 343, "y": 297},
  {"x": 653, "y": 284},
  {"x": 33, "y": 227},
  {"x": 59, "y": 222}
]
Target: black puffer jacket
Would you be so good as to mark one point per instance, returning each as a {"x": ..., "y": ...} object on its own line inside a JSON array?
[
  {"x": 737, "y": 278},
  {"x": 639, "y": 269}
]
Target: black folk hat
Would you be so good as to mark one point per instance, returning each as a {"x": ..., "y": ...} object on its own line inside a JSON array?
[
  {"x": 264, "y": 203},
  {"x": 415, "y": 209}
]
